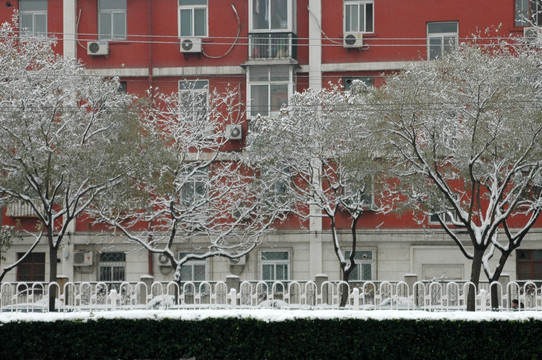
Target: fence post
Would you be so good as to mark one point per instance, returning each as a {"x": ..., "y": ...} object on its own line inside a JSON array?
[
  {"x": 504, "y": 279},
  {"x": 233, "y": 298},
  {"x": 410, "y": 280},
  {"x": 355, "y": 294},
  {"x": 319, "y": 280},
  {"x": 113, "y": 298},
  {"x": 147, "y": 280},
  {"x": 483, "y": 299},
  {"x": 62, "y": 280}
]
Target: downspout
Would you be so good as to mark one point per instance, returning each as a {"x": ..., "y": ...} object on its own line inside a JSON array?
[{"x": 149, "y": 31}]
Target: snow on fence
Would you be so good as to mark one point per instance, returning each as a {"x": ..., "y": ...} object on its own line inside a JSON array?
[{"x": 369, "y": 295}]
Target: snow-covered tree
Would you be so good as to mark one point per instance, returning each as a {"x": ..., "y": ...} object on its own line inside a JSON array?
[
  {"x": 65, "y": 136},
  {"x": 195, "y": 192},
  {"x": 464, "y": 132},
  {"x": 305, "y": 150}
]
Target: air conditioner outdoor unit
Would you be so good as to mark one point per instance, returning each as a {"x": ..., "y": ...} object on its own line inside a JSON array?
[
  {"x": 353, "y": 40},
  {"x": 163, "y": 260},
  {"x": 191, "y": 45},
  {"x": 239, "y": 261},
  {"x": 97, "y": 48},
  {"x": 234, "y": 132},
  {"x": 82, "y": 258},
  {"x": 531, "y": 33}
]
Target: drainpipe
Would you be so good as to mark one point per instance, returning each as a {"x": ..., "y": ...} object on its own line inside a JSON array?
[{"x": 149, "y": 31}]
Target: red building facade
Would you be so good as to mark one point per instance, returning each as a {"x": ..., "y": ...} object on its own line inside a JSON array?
[{"x": 267, "y": 50}]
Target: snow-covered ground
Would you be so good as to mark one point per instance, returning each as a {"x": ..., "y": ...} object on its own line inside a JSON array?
[{"x": 275, "y": 315}]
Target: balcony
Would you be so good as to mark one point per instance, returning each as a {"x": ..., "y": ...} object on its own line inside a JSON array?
[{"x": 272, "y": 46}]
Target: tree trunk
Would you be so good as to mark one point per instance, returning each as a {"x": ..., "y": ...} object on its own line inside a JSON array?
[
  {"x": 475, "y": 278},
  {"x": 53, "y": 255},
  {"x": 496, "y": 276}
]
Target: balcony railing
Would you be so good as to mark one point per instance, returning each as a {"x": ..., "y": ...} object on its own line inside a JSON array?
[{"x": 271, "y": 46}]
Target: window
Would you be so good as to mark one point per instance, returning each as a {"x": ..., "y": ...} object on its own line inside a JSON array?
[
  {"x": 193, "y": 270},
  {"x": 270, "y": 15},
  {"x": 194, "y": 99},
  {"x": 112, "y": 267},
  {"x": 269, "y": 88},
  {"x": 350, "y": 83},
  {"x": 358, "y": 16},
  {"x": 192, "y": 18},
  {"x": 446, "y": 216},
  {"x": 33, "y": 16},
  {"x": 364, "y": 268},
  {"x": 32, "y": 268},
  {"x": 194, "y": 189},
  {"x": 528, "y": 12},
  {"x": 529, "y": 264},
  {"x": 112, "y": 19},
  {"x": 275, "y": 265},
  {"x": 442, "y": 37},
  {"x": 359, "y": 192}
]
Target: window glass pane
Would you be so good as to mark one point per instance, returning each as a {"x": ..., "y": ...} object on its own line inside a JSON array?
[
  {"x": 351, "y": 18},
  {"x": 32, "y": 5},
  {"x": 367, "y": 270},
  {"x": 279, "y": 15},
  {"x": 369, "y": 18},
  {"x": 186, "y": 273},
  {"x": 279, "y": 97},
  {"x": 442, "y": 27},
  {"x": 26, "y": 22},
  {"x": 275, "y": 255},
  {"x": 260, "y": 14},
  {"x": 267, "y": 272},
  {"x": 279, "y": 73},
  {"x": 355, "y": 275},
  {"x": 522, "y": 13},
  {"x": 537, "y": 254},
  {"x": 40, "y": 25},
  {"x": 199, "y": 272},
  {"x": 186, "y": 22},
  {"x": 119, "y": 23},
  {"x": 200, "y": 22},
  {"x": 260, "y": 99},
  {"x": 449, "y": 43},
  {"x": 192, "y": 2},
  {"x": 112, "y": 4},
  {"x": 282, "y": 272},
  {"x": 105, "y": 26},
  {"x": 435, "y": 47},
  {"x": 259, "y": 73}
]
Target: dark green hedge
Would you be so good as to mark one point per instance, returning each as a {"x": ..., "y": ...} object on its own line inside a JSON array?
[{"x": 254, "y": 339}]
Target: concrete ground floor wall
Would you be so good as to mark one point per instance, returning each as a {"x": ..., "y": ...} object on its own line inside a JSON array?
[{"x": 389, "y": 256}]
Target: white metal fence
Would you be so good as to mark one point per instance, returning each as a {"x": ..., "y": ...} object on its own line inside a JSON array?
[{"x": 370, "y": 295}]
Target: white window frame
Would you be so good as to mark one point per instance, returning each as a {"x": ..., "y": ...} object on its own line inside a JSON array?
[
  {"x": 356, "y": 23},
  {"x": 368, "y": 195},
  {"x": 112, "y": 12},
  {"x": 33, "y": 14},
  {"x": 111, "y": 265},
  {"x": 194, "y": 89},
  {"x": 274, "y": 263},
  {"x": 527, "y": 12},
  {"x": 200, "y": 177},
  {"x": 364, "y": 256},
  {"x": 432, "y": 220},
  {"x": 193, "y": 8},
  {"x": 283, "y": 25},
  {"x": 192, "y": 264},
  {"x": 269, "y": 83},
  {"x": 444, "y": 38}
]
